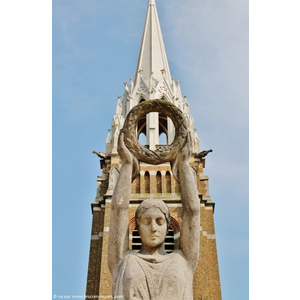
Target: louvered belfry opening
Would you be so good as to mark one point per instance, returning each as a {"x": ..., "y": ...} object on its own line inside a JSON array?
[
  {"x": 137, "y": 242},
  {"x": 169, "y": 241}
]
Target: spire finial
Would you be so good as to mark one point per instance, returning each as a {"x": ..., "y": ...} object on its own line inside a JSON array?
[{"x": 152, "y": 55}]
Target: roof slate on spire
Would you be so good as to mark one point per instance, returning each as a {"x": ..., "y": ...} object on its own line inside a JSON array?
[{"x": 152, "y": 57}]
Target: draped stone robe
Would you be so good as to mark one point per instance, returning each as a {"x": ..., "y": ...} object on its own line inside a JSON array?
[{"x": 155, "y": 277}]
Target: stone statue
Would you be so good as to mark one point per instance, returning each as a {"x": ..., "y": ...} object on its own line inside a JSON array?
[{"x": 152, "y": 273}]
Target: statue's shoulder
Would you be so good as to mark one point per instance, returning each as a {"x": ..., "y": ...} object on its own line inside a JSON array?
[
  {"x": 130, "y": 252},
  {"x": 178, "y": 252}
]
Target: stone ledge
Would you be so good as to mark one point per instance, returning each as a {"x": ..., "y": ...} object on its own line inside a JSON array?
[{"x": 208, "y": 203}]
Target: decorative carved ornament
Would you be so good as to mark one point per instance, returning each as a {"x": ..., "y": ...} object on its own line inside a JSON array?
[{"x": 142, "y": 88}]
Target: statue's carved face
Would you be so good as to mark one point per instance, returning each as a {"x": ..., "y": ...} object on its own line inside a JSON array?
[{"x": 152, "y": 227}]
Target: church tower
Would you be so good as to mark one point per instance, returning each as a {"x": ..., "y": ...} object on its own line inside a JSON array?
[{"x": 152, "y": 80}]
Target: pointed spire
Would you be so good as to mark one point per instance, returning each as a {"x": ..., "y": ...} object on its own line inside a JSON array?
[{"x": 152, "y": 56}]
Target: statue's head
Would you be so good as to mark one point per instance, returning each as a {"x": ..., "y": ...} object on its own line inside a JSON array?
[
  {"x": 152, "y": 219},
  {"x": 152, "y": 202}
]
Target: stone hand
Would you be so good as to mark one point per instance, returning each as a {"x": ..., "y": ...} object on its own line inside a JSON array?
[
  {"x": 123, "y": 151},
  {"x": 127, "y": 157}
]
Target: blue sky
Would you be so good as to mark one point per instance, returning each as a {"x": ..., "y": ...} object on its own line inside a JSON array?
[
  {"x": 48, "y": 132},
  {"x": 95, "y": 48}
]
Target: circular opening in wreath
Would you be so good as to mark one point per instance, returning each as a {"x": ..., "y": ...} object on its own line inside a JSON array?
[
  {"x": 166, "y": 129},
  {"x": 164, "y": 153}
]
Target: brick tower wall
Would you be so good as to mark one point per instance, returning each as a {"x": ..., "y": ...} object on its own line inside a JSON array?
[{"x": 154, "y": 182}]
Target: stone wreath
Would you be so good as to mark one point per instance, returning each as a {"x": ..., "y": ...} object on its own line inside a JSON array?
[{"x": 166, "y": 153}]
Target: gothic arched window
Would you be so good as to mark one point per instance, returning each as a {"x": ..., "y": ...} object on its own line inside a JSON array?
[
  {"x": 147, "y": 182},
  {"x": 142, "y": 139},
  {"x": 163, "y": 139},
  {"x": 168, "y": 182},
  {"x": 158, "y": 183},
  {"x": 138, "y": 184},
  {"x": 163, "y": 129},
  {"x": 142, "y": 128}
]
